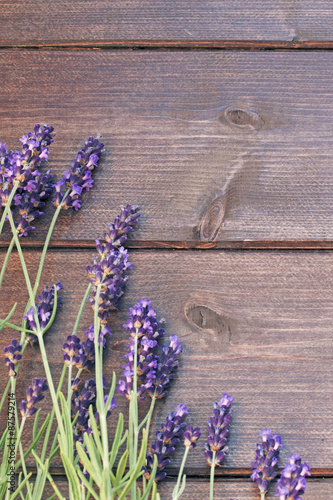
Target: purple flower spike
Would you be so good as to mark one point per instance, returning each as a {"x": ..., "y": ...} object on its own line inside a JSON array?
[
  {"x": 191, "y": 437},
  {"x": 34, "y": 395},
  {"x": 22, "y": 167},
  {"x": 31, "y": 201},
  {"x": 80, "y": 404},
  {"x": 118, "y": 230},
  {"x": 78, "y": 177},
  {"x": 292, "y": 483},
  {"x": 111, "y": 273},
  {"x": 44, "y": 307},
  {"x": 143, "y": 321},
  {"x": 166, "y": 439},
  {"x": 167, "y": 364},
  {"x": 143, "y": 318},
  {"x": 12, "y": 356},
  {"x": 266, "y": 460},
  {"x": 218, "y": 430}
]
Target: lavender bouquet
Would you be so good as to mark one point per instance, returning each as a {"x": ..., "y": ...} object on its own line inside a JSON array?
[{"x": 76, "y": 429}]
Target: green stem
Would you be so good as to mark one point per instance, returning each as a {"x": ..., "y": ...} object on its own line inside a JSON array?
[
  {"x": 4, "y": 396},
  {"x": 135, "y": 422},
  {"x": 5, "y": 262},
  {"x": 262, "y": 496},
  {"x": 83, "y": 303},
  {"x": 24, "y": 267},
  {"x": 148, "y": 416},
  {"x": 46, "y": 243},
  {"x": 19, "y": 441},
  {"x": 212, "y": 473},
  {"x": 180, "y": 474},
  {"x": 8, "y": 204},
  {"x": 17, "y": 444},
  {"x": 69, "y": 385},
  {"x": 51, "y": 388}
]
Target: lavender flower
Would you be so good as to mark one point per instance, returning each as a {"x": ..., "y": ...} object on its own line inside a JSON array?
[
  {"x": 44, "y": 308},
  {"x": 12, "y": 356},
  {"x": 30, "y": 202},
  {"x": 111, "y": 273},
  {"x": 166, "y": 439},
  {"x": 191, "y": 437},
  {"x": 154, "y": 372},
  {"x": 218, "y": 430},
  {"x": 78, "y": 177},
  {"x": 34, "y": 395},
  {"x": 266, "y": 461},
  {"x": 292, "y": 483},
  {"x": 167, "y": 364},
  {"x": 23, "y": 167},
  {"x": 118, "y": 230},
  {"x": 143, "y": 318},
  {"x": 80, "y": 405}
]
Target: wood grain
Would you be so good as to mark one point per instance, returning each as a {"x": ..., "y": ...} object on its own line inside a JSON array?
[
  {"x": 214, "y": 147},
  {"x": 37, "y": 22},
  {"x": 224, "y": 490},
  {"x": 257, "y": 325}
]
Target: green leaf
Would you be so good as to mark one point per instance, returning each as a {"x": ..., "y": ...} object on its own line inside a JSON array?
[
  {"x": 3, "y": 322},
  {"x": 34, "y": 442},
  {"x": 94, "y": 456},
  {"x": 20, "y": 488},
  {"x": 121, "y": 467},
  {"x": 35, "y": 427},
  {"x": 69, "y": 449},
  {"x": 111, "y": 393},
  {"x": 87, "y": 484},
  {"x": 73, "y": 480},
  {"x": 138, "y": 468},
  {"x": 95, "y": 431},
  {"x": 117, "y": 440},
  {"x": 87, "y": 464}
]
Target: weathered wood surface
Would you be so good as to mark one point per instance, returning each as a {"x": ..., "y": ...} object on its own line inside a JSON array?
[
  {"x": 224, "y": 490},
  {"x": 38, "y": 22},
  {"x": 257, "y": 325},
  {"x": 217, "y": 148}
]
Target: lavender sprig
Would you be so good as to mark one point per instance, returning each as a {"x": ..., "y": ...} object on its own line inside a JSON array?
[
  {"x": 166, "y": 440},
  {"x": 154, "y": 372},
  {"x": 21, "y": 169},
  {"x": 12, "y": 356},
  {"x": 218, "y": 430},
  {"x": 78, "y": 177},
  {"x": 266, "y": 460},
  {"x": 34, "y": 395},
  {"x": 292, "y": 483},
  {"x": 191, "y": 437}
]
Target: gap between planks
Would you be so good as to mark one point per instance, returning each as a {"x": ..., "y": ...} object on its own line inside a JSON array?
[
  {"x": 181, "y": 45},
  {"x": 203, "y": 473},
  {"x": 186, "y": 245}
]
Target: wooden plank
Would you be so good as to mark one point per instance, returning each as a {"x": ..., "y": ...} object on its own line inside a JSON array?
[
  {"x": 215, "y": 147},
  {"x": 257, "y": 325},
  {"x": 224, "y": 490},
  {"x": 44, "y": 23}
]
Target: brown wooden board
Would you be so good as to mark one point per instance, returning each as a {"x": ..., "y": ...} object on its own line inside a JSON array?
[
  {"x": 38, "y": 23},
  {"x": 215, "y": 147},
  {"x": 257, "y": 325},
  {"x": 224, "y": 490}
]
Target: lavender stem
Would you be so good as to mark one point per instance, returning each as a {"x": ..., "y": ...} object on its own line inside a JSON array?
[{"x": 212, "y": 474}]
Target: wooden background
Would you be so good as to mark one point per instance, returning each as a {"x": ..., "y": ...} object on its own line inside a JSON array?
[{"x": 217, "y": 121}]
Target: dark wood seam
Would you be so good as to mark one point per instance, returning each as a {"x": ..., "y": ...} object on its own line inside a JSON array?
[
  {"x": 182, "y": 45},
  {"x": 185, "y": 245}
]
